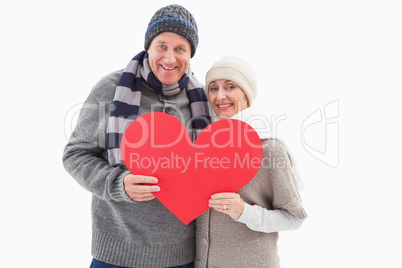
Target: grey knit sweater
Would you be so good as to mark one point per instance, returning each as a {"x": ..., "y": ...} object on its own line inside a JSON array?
[{"x": 125, "y": 233}]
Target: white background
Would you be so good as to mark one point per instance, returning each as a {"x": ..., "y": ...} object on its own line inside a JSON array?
[{"x": 307, "y": 54}]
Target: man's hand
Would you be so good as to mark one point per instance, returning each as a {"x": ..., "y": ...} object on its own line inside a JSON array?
[{"x": 139, "y": 187}]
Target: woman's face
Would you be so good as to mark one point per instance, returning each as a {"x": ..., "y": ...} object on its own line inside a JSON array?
[
  {"x": 226, "y": 98},
  {"x": 169, "y": 57}
]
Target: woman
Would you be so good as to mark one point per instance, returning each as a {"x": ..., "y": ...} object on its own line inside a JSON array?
[{"x": 241, "y": 229}]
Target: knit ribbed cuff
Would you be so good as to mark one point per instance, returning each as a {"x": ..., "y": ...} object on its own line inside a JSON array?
[
  {"x": 119, "y": 251},
  {"x": 117, "y": 191}
]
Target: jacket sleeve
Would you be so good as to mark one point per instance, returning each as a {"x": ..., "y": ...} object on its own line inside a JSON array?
[{"x": 85, "y": 155}]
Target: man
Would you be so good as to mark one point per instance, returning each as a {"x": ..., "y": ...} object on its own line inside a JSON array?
[{"x": 130, "y": 228}]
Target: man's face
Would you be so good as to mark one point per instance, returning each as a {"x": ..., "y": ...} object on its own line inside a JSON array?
[{"x": 169, "y": 57}]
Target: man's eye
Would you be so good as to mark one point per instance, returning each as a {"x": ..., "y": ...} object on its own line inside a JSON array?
[{"x": 162, "y": 46}]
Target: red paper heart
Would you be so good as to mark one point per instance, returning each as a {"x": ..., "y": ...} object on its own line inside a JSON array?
[{"x": 225, "y": 156}]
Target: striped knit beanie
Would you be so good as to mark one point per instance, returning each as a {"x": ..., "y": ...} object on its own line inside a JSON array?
[
  {"x": 173, "y": 18},
  {"x": 236, "y": 70}
]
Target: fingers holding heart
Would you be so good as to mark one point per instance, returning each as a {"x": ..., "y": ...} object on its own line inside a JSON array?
[
  {"x": 229, "y": 203},
  {"x": 140, "y": 188}
]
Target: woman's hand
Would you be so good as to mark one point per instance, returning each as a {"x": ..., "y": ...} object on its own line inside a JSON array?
[{"x": 228, "y": 203}]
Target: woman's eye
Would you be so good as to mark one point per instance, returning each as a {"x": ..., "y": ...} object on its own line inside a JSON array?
[
  {"x": 231, "y": 87},
  {"x": 180, "y": 49},
  {"x": 213, "y": 89},
  {"x": 162, "y": 46}
]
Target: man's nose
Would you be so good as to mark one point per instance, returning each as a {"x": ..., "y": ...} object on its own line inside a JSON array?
[{"x": 170, "y": 57}]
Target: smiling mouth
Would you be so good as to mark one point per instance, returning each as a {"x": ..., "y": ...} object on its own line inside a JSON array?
[
  {"x": 222, "y": 106},
  {"x": 168, "y": 68}
]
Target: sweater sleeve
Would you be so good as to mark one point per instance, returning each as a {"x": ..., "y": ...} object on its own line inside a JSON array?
[
  {"x": 85, "y": 155},
  {"x": 262, "y": 220},
  {"x": 275, "y": 203},
  {"x": 282, "y": 180}
]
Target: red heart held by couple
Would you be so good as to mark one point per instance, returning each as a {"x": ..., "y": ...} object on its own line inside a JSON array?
[{"x": 225, "y": 156}]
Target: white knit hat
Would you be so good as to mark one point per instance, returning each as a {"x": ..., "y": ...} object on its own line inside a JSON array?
[{"x": 236, "y": 70}]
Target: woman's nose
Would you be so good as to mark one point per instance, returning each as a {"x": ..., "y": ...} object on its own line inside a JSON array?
[{"x": 221, "y": 94}]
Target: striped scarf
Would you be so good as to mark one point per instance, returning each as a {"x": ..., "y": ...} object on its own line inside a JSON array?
[{"x": 127, "y": 98}]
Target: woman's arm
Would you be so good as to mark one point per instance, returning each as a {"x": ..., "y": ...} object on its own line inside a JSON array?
[
  {"x": 255, "y": 217},
  {"x": 262, "y": 220}
]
